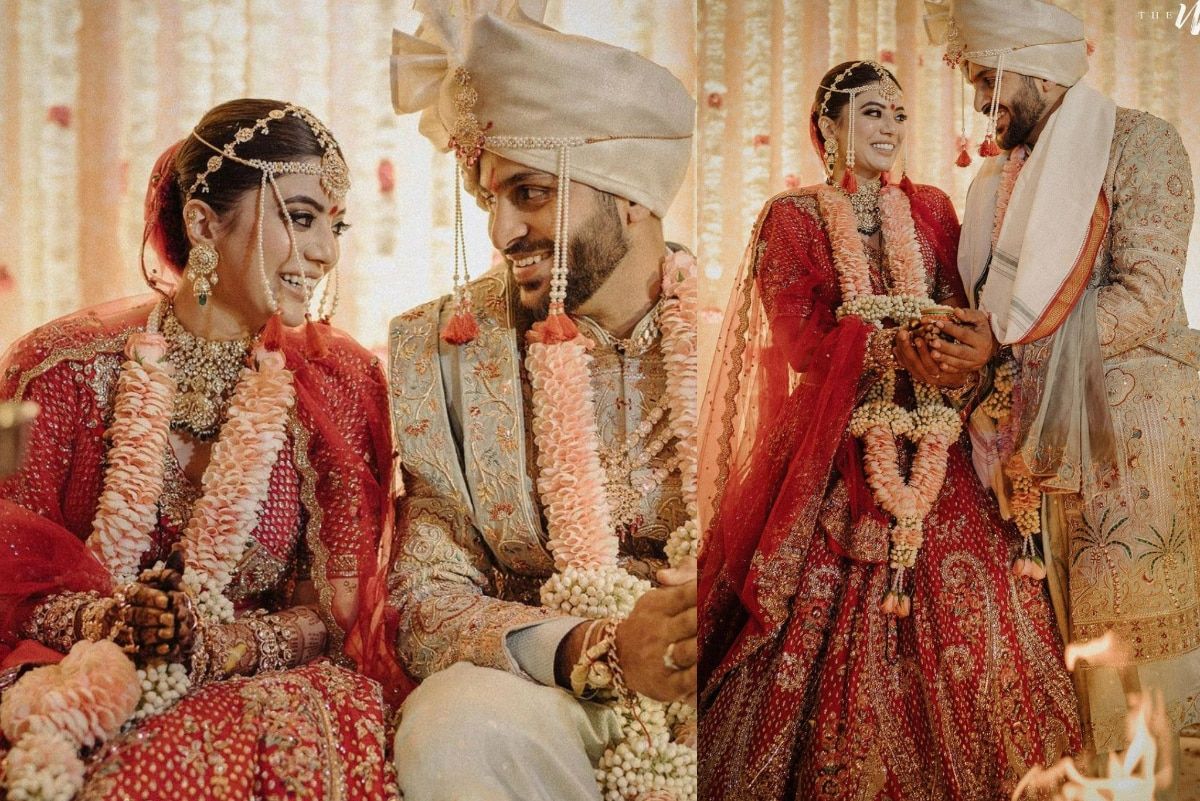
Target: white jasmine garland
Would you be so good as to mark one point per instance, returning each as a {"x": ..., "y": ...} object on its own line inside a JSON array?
[
  {"x": 43, "y": 765},
  {"x": 606, "y": 591},
  {"x": 163, "y": 685},
  {"x": 877, "y": 308},
  {"x": 684, "y": 542}
]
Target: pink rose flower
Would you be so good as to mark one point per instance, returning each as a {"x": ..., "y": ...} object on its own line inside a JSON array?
[{"x": 146, "y": 346}]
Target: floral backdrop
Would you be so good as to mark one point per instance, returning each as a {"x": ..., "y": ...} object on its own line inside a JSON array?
[
  {"x": 760, "y": 61},
  {"x": 91, "y": 91}
]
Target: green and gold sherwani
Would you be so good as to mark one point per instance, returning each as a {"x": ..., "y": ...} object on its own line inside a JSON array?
[{"x": 471, "y": 552}]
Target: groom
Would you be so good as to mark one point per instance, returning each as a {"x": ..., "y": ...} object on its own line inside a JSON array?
[{"x": 1073, "y": 248}]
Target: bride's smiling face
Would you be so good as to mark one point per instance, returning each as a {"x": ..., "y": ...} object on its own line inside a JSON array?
[
  {"x": 879, "y": 130},
  {"x": 287, "y": 277}
]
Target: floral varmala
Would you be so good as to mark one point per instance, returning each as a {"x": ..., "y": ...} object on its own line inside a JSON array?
[
  {"x": 72, "y": 373},
  {"x": 657, "y": 750}
]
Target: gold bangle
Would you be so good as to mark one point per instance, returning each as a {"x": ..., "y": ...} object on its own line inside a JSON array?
[
  {"x": 96, "y": 619},
  {"x": 54, "y": 622},
  {"x": 881, "y": 353},
  {"x": 200, "y": 660},
  {"x": 959, "y": 395},
  {"x": 288, "y": 638},
  {"x": 268, "y": 644}
]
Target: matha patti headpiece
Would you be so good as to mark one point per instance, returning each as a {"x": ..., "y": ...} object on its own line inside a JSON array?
[
  {"x": 334, "y": 174},
  {"x": 332, "y": 171},
  {"x": 887, "y": 88}
]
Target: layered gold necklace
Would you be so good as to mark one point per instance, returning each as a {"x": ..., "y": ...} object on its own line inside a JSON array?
[
  {"x": 865, "y": 202},
  {"x": 206, "y": 374}
]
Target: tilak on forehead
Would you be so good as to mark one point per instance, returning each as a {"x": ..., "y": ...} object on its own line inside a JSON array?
[{"x": 492, "y": 78}]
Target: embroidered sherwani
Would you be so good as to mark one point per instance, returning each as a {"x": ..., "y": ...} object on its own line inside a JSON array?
[
  {"x": 472, "y": 553},
  {"x": 1128, "y": 559}
]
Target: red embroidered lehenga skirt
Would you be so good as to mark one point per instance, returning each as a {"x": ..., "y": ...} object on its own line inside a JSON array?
[
  {"x": 956, "y": 701},
  {"x": 309, "y": 732}
]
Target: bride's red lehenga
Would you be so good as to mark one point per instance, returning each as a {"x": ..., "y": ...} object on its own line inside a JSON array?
[
  {"x": 808, "y": 690},
  {"x": 317, "y": 729}
]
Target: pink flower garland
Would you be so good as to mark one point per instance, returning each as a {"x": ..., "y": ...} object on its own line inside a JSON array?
[
  {"x": 849, "y": 255},
  {"x": 1026, "y": 500},
  {"x": 899, "y": 238},
  {"x": 133, "y": 481},
  {"x": 55, "y": 710},
  {"x": 570, "y": 477},
  {"x": 234, "y": 485},
  {"x": 236, "y": 482},
  {"x": 907, "y": 501},
  {"x": 678, "y": 321},
  {"x": 590, "y": 582},
  {"x": 1008, "y": 179}
]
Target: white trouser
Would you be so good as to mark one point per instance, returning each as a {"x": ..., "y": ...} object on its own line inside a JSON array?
[{"x": 477, "y": 734}]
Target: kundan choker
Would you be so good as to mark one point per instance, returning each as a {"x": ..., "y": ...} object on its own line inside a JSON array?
[
  {"x": 205, "y": 376},
  {"x": 865, "y": 202}
]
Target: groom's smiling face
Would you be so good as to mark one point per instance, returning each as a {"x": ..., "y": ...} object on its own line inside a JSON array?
[{"x": 1021, "y": 106}]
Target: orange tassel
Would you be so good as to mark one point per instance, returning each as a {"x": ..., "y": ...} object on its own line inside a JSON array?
[
  {"x": 272, "y": 333},
  {"x": 316, "y": 339},
  {"x": 989, "y": 148},
  {"x": 462, "y": 327},
  {"x": 556, "y": 328},
  {"x": 849, "y": 182},
  {"x": 964, "y": 158}
]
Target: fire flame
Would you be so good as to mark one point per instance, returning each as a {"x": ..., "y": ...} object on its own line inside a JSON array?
[
  {"x": 1089, "y": 651},
  {"x": 1131, "y": 777}
]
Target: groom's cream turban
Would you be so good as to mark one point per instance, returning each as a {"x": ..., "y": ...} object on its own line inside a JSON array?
[
  {"x": 487, "y": 75},
  {"x": 1033, "y": 38}
]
